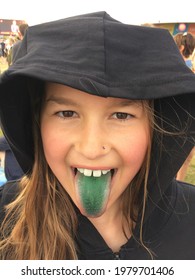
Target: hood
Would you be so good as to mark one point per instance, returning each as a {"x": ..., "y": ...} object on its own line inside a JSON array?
[{"x": 102, "y": 56}]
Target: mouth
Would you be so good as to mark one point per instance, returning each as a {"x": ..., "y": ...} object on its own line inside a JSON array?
[{"x": 93, "y": 189}]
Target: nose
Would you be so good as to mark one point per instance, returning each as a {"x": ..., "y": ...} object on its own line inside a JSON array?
[{"x": 93, "y": 142}]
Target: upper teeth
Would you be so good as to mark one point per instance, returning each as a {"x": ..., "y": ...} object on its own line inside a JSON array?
[{"x": 94, "y": 173}]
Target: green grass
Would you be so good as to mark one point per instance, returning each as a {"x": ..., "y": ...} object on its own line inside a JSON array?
[{"x": 190, "y": 177}]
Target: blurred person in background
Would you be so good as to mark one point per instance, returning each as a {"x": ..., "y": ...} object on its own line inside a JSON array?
[
  {"x": 186, "y": 44},
  {"x": 22, "y": 30},
  {"x": 9, "y": 163},
  {"x": 14, "y": 27},
  {"x": 2, "y": 48},
  {"x": 9, "y": 44},
  {"x": 3, "y": 179}
]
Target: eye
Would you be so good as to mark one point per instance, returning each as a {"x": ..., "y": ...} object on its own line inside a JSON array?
[
  {"x": 122, "y": 116},
  {"x": 66, "y": 114}
]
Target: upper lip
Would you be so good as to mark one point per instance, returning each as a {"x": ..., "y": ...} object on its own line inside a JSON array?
[{"x": 75, "y": 168}]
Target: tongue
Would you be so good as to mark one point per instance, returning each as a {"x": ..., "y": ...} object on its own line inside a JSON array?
[{"x": 93, "y": 193}]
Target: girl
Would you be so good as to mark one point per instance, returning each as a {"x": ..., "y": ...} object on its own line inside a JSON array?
[{"x": 100, "y": 116}]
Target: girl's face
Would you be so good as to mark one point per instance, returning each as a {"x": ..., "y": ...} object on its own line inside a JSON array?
[{"x": 94, "y": 145}]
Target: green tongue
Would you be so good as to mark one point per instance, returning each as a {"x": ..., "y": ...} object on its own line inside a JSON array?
[{"x": 93, "y": 193}]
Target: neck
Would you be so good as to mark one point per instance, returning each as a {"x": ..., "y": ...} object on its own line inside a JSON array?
[{"x": 112, "y": 227}]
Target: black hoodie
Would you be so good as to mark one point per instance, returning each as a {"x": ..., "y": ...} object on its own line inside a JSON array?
[{"x": 99, "y": 55}]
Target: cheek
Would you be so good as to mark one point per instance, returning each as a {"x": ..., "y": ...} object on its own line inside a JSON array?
[
  {"x": 133, "y": 150},
  {"x": 55, "y": 147}
]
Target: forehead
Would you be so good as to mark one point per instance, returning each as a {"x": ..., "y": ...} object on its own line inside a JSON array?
[{"x": 64, "y": 94}]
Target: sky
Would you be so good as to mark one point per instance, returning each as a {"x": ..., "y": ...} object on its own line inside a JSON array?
[{"x": 126, "y": 11}]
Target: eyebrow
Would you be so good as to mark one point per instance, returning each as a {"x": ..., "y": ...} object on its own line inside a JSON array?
[
  {"x": 128, "y": 102},
  {"x": 62, "y": 101}
]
